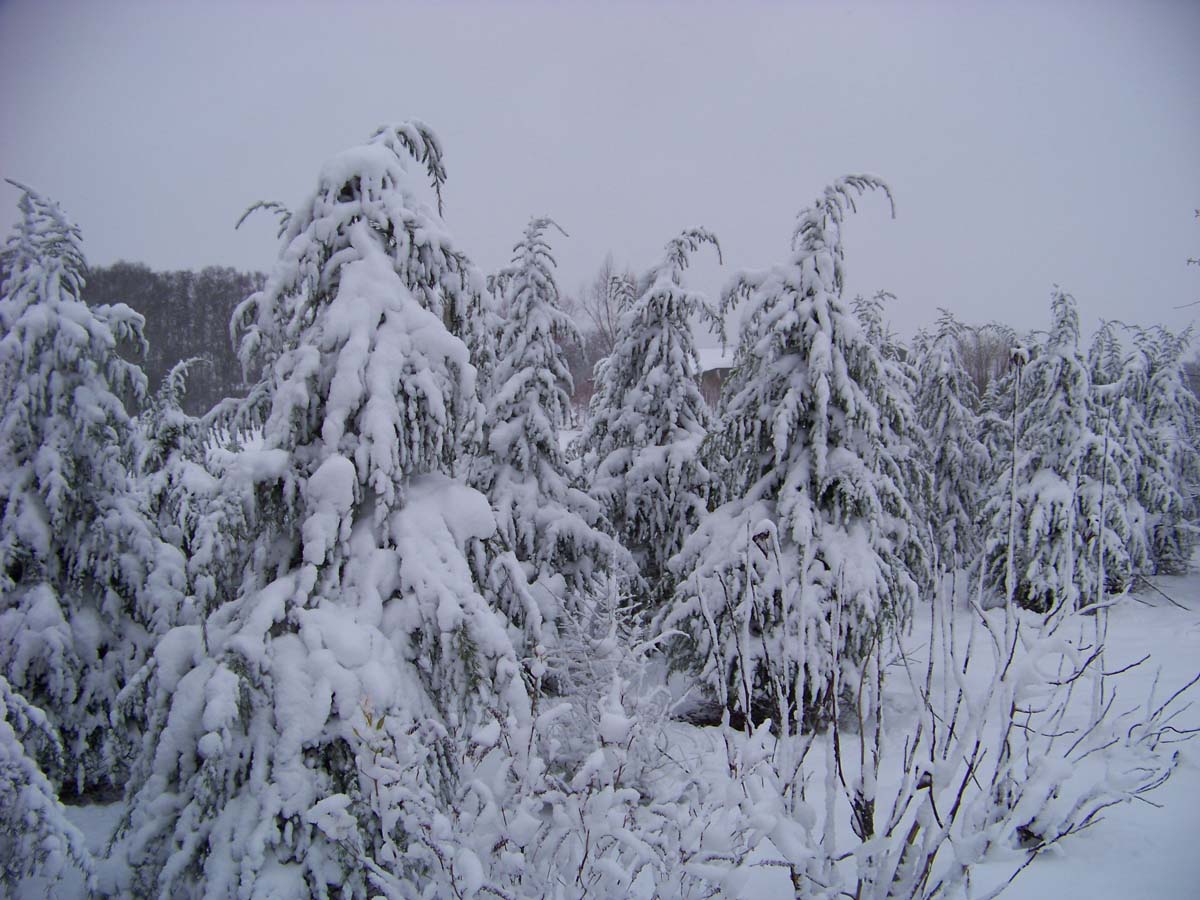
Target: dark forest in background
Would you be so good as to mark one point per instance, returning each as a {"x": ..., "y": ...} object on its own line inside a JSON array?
[{"x": 187, "y": 315}]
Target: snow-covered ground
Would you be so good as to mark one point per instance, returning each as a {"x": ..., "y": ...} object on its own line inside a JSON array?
[{"x": 1138, "y": 851}]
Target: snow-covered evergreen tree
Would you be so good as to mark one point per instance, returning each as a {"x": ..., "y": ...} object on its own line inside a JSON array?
[
  {"x": 1052, "y": 436},
  {"x": 648, "y": 419},
  {"x": 35, "y": 834},
  {"x": 785, "y": 587},
  {"x": 76, "y": 546},
  {"x": 620, "y": 294},
  {"x": 1111, "y": 469},
  {"x": 1171, "y": 461},
  {"x": 357, "y": 617},
  {"x": 947, "y": 409},
  {"x": 551, "y": 549},
  {"x": 869, "y": 313},
  {"x": 1169, "y": 484},
  {"x": 200, "y": 491},
  {"x": 905, "y": 458},
  {"x": 439, "y": 275},
  {"x": 171, "y": 478},
  {"x": 995, "y": 430},
  {"x": 166, "y": 428}
]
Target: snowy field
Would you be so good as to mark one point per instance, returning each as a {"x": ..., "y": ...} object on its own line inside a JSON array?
[{"x": 1138, "y": 850}]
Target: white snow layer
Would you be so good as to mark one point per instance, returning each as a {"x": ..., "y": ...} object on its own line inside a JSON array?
[{"x": 1137, "y": 851}]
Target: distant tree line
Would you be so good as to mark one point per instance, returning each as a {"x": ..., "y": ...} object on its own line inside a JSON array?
[{"x": 187, "y": 315}]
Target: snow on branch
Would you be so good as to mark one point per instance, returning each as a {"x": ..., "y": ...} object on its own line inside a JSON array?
[{"x": 418, "y": 140}]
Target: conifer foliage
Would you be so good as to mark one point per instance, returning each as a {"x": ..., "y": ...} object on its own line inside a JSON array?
[
  {"x": 786, "y": 585},
  {"x": 1100, "y": 486},
  {"x": 76, "y": 547},
  {"x": 357, "y": 618},
  {"x": 1112, "y": 518},
  {"x": 648, "y": 418},
  {"x": 551, "y": 549},
  {"x": 1052, "y": 433},
  {"x": 946, "y": 404},
  {"x": 35, "y": 835},
  {"x": 1171, "y": 414}
]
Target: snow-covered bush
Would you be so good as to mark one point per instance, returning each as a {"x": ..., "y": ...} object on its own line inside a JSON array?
[
  {"x": 648, "y": 419},
  {"x": 581, "y": 800},
  {"x": 77, "y": 549},
  {"x": 357, "y": 605},
  {"x": 1017, "y": 743},
  {"x": 819, "y": 519}
]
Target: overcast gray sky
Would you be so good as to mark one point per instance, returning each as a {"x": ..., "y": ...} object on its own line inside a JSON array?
[{"x": 1027, "y": 144}]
